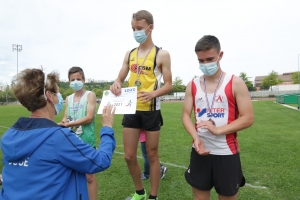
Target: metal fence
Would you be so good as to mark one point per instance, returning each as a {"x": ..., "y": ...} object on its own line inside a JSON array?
[
  {"x": 258, "y": 94},
  {"x": 4, "y": 103},
  {"x": 265, "y": 94},
  {"x": 171, "y": 98}
]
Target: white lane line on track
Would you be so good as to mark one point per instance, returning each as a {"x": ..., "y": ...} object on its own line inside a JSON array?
[
  {"x": 174, "y": 165},
  {"x": 4, "y": 127},
  {"x": 165, "y": 163},
  {"x": 184, "y": 167}
]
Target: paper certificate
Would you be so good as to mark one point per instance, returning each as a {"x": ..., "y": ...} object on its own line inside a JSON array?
[{"x": 125, "y": 103}]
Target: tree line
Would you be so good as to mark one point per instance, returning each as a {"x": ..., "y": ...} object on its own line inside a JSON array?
[{"x": 98, "y": 87}]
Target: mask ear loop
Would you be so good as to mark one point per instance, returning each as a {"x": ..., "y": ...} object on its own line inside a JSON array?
[
  {"x": 45, "y": 82},
  {"x": 147, "y": 29}
]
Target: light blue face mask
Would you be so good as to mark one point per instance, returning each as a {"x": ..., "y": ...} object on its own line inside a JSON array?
[
  {"x": 59, "y": 106},
  {"x": 209, "y": 69},
  {"x": 76, "y": 85},
  {"x": 140, "y": 36}
]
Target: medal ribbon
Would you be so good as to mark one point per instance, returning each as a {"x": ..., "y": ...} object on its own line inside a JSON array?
[
  {"x": 139, "y": 70},
  {"x": 213, "y": 100},
  {"x": 82, "y": 93}
]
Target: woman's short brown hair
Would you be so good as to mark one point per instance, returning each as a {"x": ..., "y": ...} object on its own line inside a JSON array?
[{"x": 31, "y": 86}]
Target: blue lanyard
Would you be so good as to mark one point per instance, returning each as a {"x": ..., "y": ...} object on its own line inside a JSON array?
[{"x": 75, "y": 112}]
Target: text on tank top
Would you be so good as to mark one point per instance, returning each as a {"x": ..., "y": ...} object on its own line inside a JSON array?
[
  {"x": 149, "y": 76},
  {"x": 223, "y": 112}
]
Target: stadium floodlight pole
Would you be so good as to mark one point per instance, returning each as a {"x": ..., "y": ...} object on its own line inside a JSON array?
[
  {"x": 6, "y": 93},
  {"x": 18, "y": 48}
]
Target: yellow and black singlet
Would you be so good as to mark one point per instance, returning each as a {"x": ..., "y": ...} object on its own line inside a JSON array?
[{"x": 149, "y": 77}]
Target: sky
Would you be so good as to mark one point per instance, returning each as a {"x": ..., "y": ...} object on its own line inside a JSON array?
[{"x": 256, "y": 36}]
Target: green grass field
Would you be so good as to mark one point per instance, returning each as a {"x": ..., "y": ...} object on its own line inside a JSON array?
[{"x": 270, "y": 154}]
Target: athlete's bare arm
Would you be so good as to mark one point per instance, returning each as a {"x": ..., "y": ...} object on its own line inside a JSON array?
[
  {"x": 164, "y": 65},
  {"x": 188, "y": 124},
  {"x": 90, "y": 112},
  {"x": 244, "y": 105},
  {"x": 115, "y": 88},
  {"x": 163, "y": 61},
  {"x": 187, "y": 111}
]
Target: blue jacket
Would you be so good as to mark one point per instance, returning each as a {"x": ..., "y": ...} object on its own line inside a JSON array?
[{"x": 45, "y": 161}]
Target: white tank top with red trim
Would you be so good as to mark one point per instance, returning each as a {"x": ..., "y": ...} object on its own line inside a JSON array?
[{"x": 224, "y": 111}]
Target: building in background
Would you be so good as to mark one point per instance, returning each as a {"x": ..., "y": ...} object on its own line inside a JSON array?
[{"x": 286, "y": 77}]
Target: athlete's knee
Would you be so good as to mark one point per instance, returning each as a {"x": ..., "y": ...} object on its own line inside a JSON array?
[
  {"x": 152, "y": 155},
  {"x": 130, "y": 158}
]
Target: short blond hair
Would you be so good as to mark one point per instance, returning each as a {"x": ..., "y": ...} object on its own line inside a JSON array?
[{"x": 143, "y": 14}]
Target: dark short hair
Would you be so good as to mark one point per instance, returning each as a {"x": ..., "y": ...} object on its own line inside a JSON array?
[
  {"x": 74, "y": 70},
  {"x": 208, "y": 42}
]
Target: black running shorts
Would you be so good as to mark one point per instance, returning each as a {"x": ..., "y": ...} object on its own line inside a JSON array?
[
  {"x": 146, "y": 120},
  {"x": 223, "y": 172}
]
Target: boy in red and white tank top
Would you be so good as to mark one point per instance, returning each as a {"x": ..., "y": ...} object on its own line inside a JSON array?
[{"x": 221, "y": 106}]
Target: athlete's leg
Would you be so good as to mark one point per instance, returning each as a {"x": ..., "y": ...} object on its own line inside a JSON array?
[
  {"x": 92, "y": 186},
  {"x": 153, "y": 158},
  {"x": 234, "y": 197},
  {"x": 201, "y": 194},
  {"x": 131, "y": 139}
]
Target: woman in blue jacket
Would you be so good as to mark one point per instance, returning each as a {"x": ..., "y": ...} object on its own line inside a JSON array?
[{"x": 43, "y": 160}]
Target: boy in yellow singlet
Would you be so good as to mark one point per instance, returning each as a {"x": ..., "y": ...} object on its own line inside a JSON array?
[{"x": 147, "y": 64}]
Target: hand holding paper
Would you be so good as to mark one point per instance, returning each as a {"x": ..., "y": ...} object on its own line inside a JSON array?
[{"x": 125, "y": 103}]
